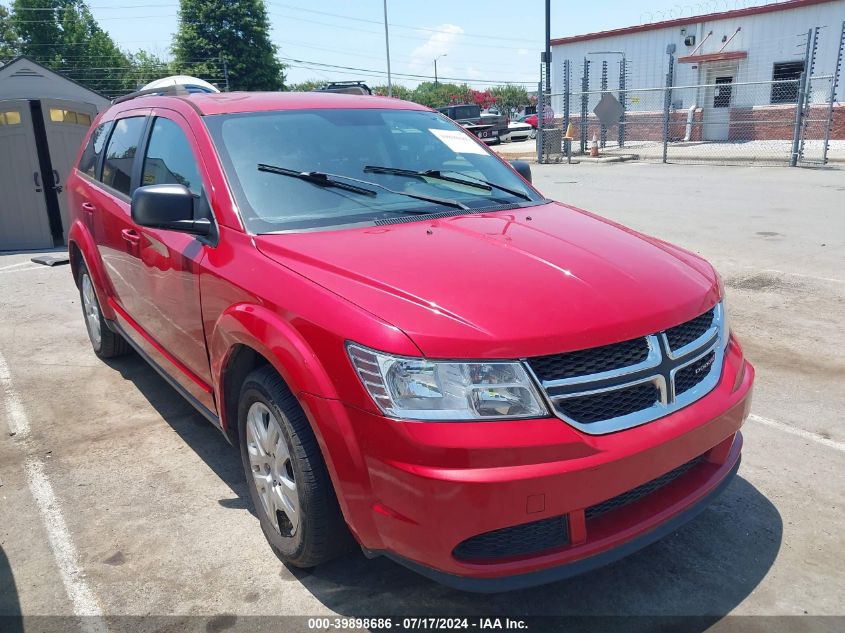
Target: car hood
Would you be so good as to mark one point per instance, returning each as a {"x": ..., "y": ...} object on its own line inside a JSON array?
[{"x": 506, "y": 284}]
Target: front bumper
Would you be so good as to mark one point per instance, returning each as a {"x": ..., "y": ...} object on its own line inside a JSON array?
[{"x": 415, "y": 491}]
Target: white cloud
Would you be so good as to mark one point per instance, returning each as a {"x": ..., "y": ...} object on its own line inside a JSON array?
[
  {"x": 522, "y": 52},
  {"x": 440, "y": 43}
]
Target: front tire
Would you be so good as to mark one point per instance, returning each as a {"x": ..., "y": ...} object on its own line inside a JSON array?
[
  {"x": 106, "y": 344},
  {"x": 286, "y": 475}
]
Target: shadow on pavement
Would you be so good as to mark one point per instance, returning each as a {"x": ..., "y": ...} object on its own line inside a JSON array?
[
  {"x": 705, "y": 569},
  {"x": 10, "y": 608},
  {"x": 197, "y": 432}
]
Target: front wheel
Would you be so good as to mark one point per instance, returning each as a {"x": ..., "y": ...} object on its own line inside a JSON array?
[{"x": 287, "y": 477}]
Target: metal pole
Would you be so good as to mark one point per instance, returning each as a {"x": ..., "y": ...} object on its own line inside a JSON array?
[
  {"x": 623, "y": 99},
  {"x": 225, "y": 72},
  {"x": 567, "y": 145},
  {"x": 435, "y": 71},
  {"x": 540, "y": 118},
  {"x": 585, "y": 86},
  {"x": 548, "y": 48},
  {"x": 603, "y": 127},
  {"x": 799, "y": 106},
  {"x": 387, "y": 51},
  {"x": 667, "y": 99},
  {"x": 833, "y": 86}
]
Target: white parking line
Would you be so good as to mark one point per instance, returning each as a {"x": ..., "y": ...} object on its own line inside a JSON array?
[
  {"x": 84, "y": 602},
  {"x": 15, "y": 265},
  {"x": 73, "y": 578},
  {"x": 807, "y": 435},
  {"x": 24, "y": 270},
  {"x": 15, "y": 414}
]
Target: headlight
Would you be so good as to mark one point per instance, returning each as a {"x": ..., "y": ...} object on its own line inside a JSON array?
[{"x": 421, "y": 389}]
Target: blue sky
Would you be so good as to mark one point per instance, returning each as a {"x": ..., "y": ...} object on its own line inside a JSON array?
[{"x": 482, "y": 40}]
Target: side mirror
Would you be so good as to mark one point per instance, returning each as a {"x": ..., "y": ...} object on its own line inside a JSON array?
[
  {"x": 522, "y": 168},
  {"x": 169, "y": 207}
]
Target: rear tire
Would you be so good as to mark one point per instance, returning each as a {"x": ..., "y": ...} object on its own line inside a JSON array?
[
  {"x": 286, "y": 475},
  {"x": 106, "y": 344}
]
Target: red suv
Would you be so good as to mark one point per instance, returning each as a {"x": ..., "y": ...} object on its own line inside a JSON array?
[{"x": 411, "y": 346}]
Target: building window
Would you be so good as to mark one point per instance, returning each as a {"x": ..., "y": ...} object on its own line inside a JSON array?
[
  {"x": 58, "y": 115},
  {"x": 787, "y": 75},
  {"x": 10, "y": 117}
]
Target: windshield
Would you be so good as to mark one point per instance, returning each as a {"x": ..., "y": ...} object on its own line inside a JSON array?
[{"x": 343, "y": 143}]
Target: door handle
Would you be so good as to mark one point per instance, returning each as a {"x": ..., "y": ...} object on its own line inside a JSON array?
[
  {"x": 56, "y": 186},
  {"x": 131, "y": 235},
  {"x": 88, "y": 208},
  {"x": 36, "y": 177}
]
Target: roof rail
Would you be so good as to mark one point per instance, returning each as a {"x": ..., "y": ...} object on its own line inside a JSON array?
[{"x": 170, "y": 91}]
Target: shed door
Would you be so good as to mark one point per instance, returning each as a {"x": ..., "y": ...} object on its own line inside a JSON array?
[
  {"x": 66, "y": 123},
  {"x": 23, "y": 211}
]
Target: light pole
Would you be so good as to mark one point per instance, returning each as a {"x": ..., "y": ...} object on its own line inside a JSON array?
[
  {"x": 435, "y": 67},
  {"x": 387, "y": 49}
]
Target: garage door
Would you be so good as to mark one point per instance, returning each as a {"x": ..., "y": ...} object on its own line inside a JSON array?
[{"x": 23, "y": 212}]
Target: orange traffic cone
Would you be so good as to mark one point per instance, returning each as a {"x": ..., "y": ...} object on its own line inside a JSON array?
[{"x": 594, "y": 148}]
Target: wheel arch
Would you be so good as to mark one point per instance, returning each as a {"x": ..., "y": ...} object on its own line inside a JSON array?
[{"x": 83, "y": 250}]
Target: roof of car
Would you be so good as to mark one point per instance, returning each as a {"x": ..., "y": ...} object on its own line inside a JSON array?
[{"x": 236, "y": 102}]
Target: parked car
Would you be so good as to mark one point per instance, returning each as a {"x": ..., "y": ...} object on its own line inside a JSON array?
[
  {"x": 412, "y": 348},
  {"x": 518, "y": 131},
  {"x": 488, "y": 127}
]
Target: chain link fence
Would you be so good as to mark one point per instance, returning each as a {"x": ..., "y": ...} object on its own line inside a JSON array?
[{"x": 726, "y": 119}]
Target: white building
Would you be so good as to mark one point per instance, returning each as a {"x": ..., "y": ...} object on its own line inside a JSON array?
[{"x": 733, "y": 49}]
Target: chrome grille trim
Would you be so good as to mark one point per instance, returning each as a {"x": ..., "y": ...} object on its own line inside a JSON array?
[{"x": 660, "y": 367}]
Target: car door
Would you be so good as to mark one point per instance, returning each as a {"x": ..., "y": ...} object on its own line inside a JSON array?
[
  {"x": 167, "y": 305},
  {"x": 115, "y": 233}
]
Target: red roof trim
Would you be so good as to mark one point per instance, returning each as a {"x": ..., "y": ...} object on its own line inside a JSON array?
[
  {"x": 712, "y": 57},
  {"x": 724, "y": 15}
]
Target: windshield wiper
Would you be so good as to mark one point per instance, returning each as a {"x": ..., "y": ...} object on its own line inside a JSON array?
[
  {"x": 478, "y": 183},
  {"x": 316, "y": 178},
  {"x": 322, "y": 179}
]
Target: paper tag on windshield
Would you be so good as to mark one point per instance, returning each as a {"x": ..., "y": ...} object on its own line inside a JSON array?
[{"x": 458, "y": 141}]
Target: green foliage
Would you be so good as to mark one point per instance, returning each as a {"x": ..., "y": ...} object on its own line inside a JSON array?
[
  {"x": 509, "y": 97},
  {"x": 69, "y": 40},
  {"x": 147, "y": 67},
  {"x": 437, "y": 95},
  {"x": 238, "y": 30},
  {"x": 9, "y": 43},
  {"x": 306, "y": 86},
  {"x": 399, "y": 92}
]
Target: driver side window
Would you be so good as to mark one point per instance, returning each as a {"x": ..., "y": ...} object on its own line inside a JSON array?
[{"x": 170, "y": 160}]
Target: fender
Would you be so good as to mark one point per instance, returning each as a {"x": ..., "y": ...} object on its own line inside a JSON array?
[
  {"x": 80, "y": 238},
  {"x": 282, "y": 345}
]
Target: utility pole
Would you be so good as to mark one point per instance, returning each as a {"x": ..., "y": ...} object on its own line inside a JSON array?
[
  {"x": 548, "y": 56},
  {"x": 225, "y": 71},
  {"x": 387, "y": 49},
  {"x": 435, "y": 67}
]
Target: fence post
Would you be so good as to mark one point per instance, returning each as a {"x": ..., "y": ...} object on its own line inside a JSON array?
[
  {"x": 799, "y": 106},
  {"x": 623, "y": 99},
  {"x": 808, "y": 90},
  {"x": 540, "y": 107},
  {"x": 667, "y": 98},
  {"x": 585, "y": 86},
  {"x": 834, "y": 83},
  {"x": 566, "y": 144},
  {"x": 603, "y": 128}
]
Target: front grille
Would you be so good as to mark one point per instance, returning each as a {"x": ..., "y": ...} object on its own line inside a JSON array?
[
  {"x": 694, "y": 373},
  {"x": 622, "y": 385},
  {"x": 519, "y": 540},
  {"x": 590, "y": 361},
  {"x": 639, "y": 492},
  {"x": 686, "y": 333},
  {"x": 612, "y": 404}
]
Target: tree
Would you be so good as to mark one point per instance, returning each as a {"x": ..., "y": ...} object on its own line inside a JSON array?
[
  {"x": 437, "y": 95},
  {"x": 147, "y": 67},
  {"x": 9, "y": 43},
  {"x": 399, "y": 92},
  {"x": 65, "y": 37},
  {"x": 307, "y": 86},
  {"x": 237, "y": 30},
  {"x": 510, "y": 97}
]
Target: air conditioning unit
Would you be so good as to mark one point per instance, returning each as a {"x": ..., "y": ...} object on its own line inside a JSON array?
[{"x": 689, "y": 40}]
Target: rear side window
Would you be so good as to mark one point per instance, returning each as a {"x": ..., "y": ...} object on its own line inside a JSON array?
[
  {"x": 170, "y": 159},
  {"x": 120, "y": 153},
  {"x": 91, "y": 156}
]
